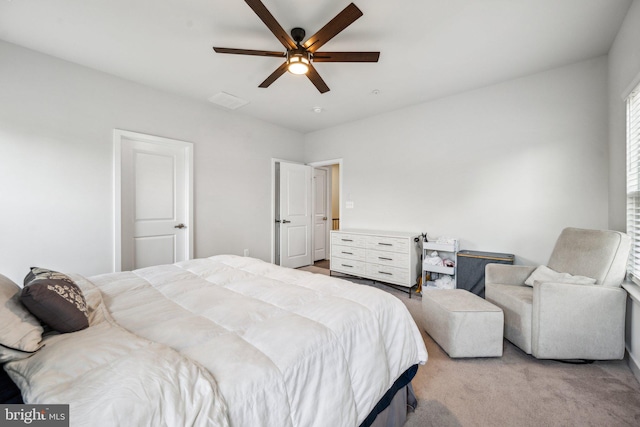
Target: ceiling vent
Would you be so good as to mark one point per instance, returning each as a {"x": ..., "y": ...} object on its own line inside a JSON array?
[{"x": 228, "y": 101}]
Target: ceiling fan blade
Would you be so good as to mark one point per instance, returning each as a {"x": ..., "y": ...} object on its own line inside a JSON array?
[
  {"x": 346, "y": 56},
  {"x": 317, "y": 80},
  {"x": 250, "y": 52},
  {"x": 333, "y": 27},
  {"x": 263, "y": 13},
  {"x": 274, "y": 76}
]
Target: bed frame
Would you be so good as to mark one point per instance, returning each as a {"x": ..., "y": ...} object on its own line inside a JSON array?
[{"x": 9, "y": 392}]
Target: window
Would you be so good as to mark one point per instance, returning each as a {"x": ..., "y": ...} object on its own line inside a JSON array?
[{"x": 633, "y": 181}]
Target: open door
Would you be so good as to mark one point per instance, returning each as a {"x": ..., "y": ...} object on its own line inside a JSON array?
[
  {"x": 153, "y": 200},
  {"x": 294, "y": 215},
  {"x": 321, "y": 212}
]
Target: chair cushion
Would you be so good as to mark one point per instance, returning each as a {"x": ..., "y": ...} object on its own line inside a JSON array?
[
  {"x": 517, "y": 304},
  {"x": 600, "y": 254}
]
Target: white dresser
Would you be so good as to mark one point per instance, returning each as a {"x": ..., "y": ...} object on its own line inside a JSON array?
[{"x": 385, "y": 256}]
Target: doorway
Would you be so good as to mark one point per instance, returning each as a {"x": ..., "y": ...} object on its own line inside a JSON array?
[
  {"x": 322, "y": 237},
  {"x": 321, "y": 212},
  {"x": 324, "y": 184}
]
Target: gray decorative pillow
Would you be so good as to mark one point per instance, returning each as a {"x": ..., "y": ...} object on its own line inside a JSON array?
[
  {"x": 19, "y": 330},
  {"x": 545, "y": 274},
  {"x": 55, "y": 299}
]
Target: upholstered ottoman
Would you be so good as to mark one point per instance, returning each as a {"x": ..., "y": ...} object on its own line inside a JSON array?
[{"x": 464, "y": 324}]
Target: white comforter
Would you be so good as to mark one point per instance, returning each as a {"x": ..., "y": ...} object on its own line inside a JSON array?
[
  {"x": 286, "y": 347},
  {"x": 111, "y": 377}
]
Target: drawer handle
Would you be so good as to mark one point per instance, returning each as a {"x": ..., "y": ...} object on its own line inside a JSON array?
[
  {"x": 386, "y": 244},
  {"x": 345, "y": 265},
  {"x": 386, "y": 259},
  {"x": 384, "y": 272},
  {"x": 346, "y": 240},
  {"x": 348, "y": 253}
]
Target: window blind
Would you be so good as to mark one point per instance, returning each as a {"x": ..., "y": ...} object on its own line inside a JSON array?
[{"x": 633, "y": 181}]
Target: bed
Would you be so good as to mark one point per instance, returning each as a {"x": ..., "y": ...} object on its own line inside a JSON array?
[{"x": 227, "y": 340}]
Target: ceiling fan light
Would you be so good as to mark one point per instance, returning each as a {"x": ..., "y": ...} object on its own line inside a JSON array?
[{"x": 298, "y": 63}]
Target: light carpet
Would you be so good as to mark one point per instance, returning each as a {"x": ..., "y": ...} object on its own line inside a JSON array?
[{"x": 515, "y": 389}]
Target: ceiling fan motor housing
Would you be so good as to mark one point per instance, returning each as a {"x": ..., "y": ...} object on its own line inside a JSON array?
[{"x": 298, "y": 35}]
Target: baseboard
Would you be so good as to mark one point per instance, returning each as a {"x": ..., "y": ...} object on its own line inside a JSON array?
[{"x": 633, "y": 364}]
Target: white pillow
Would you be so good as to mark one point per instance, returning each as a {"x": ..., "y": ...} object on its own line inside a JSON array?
[
  {"x": 19, "y": 329},
  {"x": 545, "y": 274}
]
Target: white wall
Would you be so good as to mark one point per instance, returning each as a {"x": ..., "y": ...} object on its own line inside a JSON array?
[
  {"x": 503, "y": 168},
  {"x": 56, "y": 123},
  {"x": 624, "y": 72}
]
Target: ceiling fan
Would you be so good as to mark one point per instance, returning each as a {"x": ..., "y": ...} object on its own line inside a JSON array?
[{"x": 299, "y": 57}]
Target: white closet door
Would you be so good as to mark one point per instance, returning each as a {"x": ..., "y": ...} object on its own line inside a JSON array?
[
  {"x": 155, "y": 203},
  {"x": 295, "y": 215}
]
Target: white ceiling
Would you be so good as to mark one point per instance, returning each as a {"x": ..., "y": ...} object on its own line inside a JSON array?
[{"x": 429, "y": 48}]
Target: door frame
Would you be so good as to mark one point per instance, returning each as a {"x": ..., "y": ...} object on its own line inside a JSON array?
[
  {"x": 273, "y": 196},
  {"x": 118, "y": 136}
]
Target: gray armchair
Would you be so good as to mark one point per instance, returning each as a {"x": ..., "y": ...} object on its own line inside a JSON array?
[{"x": 567, "y": 321}]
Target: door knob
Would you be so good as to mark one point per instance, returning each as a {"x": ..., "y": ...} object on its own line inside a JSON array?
[
  {"x": 284, "y": 221},
  {"x": 324, "y": 218},
  {"x": 181, "y": 226}
]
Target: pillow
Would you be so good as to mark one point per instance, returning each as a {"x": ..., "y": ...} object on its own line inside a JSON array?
[
  {"x": 55, "y": 299},
  {"x": 20, "y": 332},
  {"x": 545, "y": 274}
]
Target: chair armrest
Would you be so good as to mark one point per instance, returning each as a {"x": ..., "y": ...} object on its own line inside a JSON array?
[
  {"x": 578, "y": 321},
  {"x": 505, "y": 274}
]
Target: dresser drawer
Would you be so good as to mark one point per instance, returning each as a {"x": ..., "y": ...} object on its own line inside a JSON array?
[
  {"x": 349, "y": 252},
  {"x": 346, "y": 239},
  {"x": 389, "y": 274},
  {"x": 349, "y": 266},
  {"x": 394, "y": 259},
  {"x": 389, "y": 244}
]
